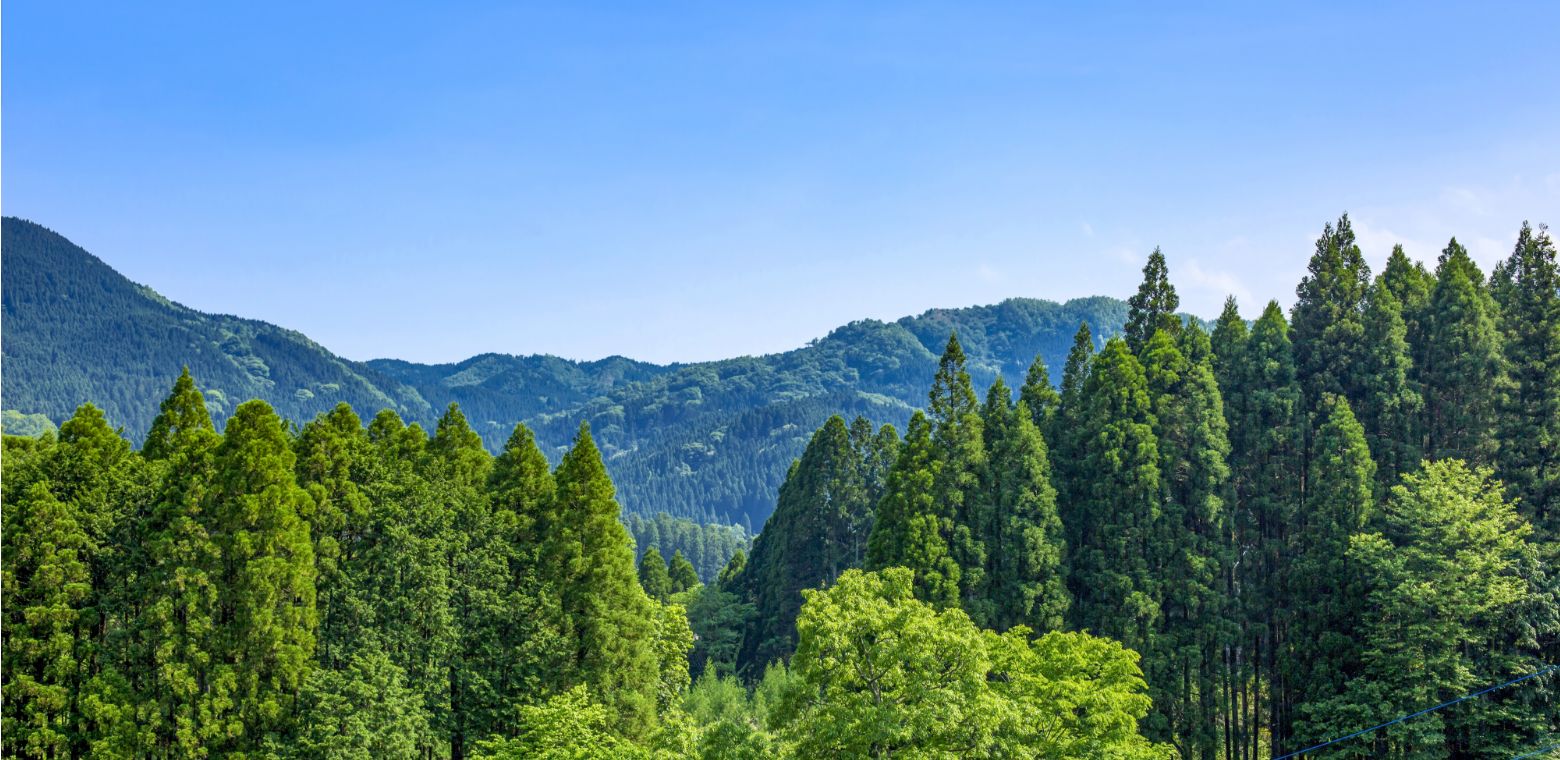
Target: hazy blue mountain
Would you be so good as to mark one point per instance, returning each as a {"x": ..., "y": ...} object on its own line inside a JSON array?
[{"x": 709, "y": 441}]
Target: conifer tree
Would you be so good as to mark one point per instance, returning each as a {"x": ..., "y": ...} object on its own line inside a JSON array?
[
  {"x": 683, "y": 576},
  {"x": 1411, "y": 284},
  {"x": 1025, "y": 583},
  {"x": 653, "y": 577},
  {"x": 1463, "y": 367},
  {"x": 908, "y": 531},
  {"x": 1153, "y": 307},
  {"x": 609, "y": 619},
  {"x": 958, "y": 450},
  {"x": 1323, "y": 588},
  {"x": 1328, "y": 328},
  {"x": 263, "y": 636},
  {"x": 1527, "y": 286},
  {"x": 806, "y": 543},
  {"x": 1228, "y": 343},
  {"x": 1064, "y": 434},
  {"x": 1038, "y": 394},
  {"x": 335, "y": 464},
  {"x": 1390, "y": 408},
  {"x": 1111, "y": 524}
]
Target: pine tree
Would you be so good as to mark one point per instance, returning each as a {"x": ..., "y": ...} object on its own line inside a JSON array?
[
  {"x": 1411, "y": 285},
  {"x": 1153, "y": 307},
  {"x": 1025, "y": 583},
  {"x": 608, "y": 617},
  {"x": 1038, "y": 394},
  {"x": 335, "y": 464},
  {"x": 1328, "y": 327},
  {"x": 958, "y": 451},
  {"x": 1064, "y": 434},
  {"x": 653, "y": 577},
  {"x": 907, "y": 532},
  {"x": 1323, "y": 588},
  {"x": 683, "y": 576},
  {"x": 1111, "y": 524},
  {"x": 1527, "y": 286},
  {"x": 1463, "y": 367},
  {"x": 264, "y": 633},
  {"x": 1390, "y": 408},
  {"x": 1228, "y": 344}
]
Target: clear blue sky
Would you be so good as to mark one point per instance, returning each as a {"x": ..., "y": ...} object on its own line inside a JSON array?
[{"x": 681, "y": 182}]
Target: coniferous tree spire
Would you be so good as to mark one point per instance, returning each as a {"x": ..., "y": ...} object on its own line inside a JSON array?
[
  {"x": 1527, "y": 286},
  {"x": 958, "y": 449},
  {"x": 680, "y": 570},
  {"x": 1464, "y": 364},
  {"x": 1024, "y": 543},
  {"x": 183, "y": 423},
  {"x": 609, "y": 619},
  {"x": 653, "y": 577},
  {"x": 1153, "y": 307},
  {"x": 1327, "y": 327},
  {"x": 907, "y": 532},
  {"x": 1038, "y": 394},
  {"x": 1228, "y": 343},
  {"x": 1390, "y": 408}
]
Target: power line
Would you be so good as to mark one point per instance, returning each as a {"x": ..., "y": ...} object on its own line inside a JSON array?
[
  {"x": 1537, "y": 752},
  {"x": 1395, "y": 721}
]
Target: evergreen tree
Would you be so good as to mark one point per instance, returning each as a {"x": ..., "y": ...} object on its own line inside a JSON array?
[
  {"x": 1228, "y": 344},
  {"x": 1025, "y": 584},
  {"x": 1463, "y": 367},
  {"x": 1411, "y": 284},
  {"x": 1390, "y": 408},
  {"x": 1328, "y": 318},
  {"x": 1038, "y": 394},
  {"x": 1065, "y": 435},
  {"x": 334, "y": 463},
  {"x": 682, "y": 575},
  {"x": 1112, "y": 523},
  {"x": 806, "y": 543},
  {"x": 1527, "y": 286},
  {"x": 959, "y": 454},
  {"x": 1323, "y": 587},
  {"x": 908, "y": 531},
  {"x": 608, "y": 618},
  {"x": 1153, "y": 307},
  {"x": 653, "y": 577}
]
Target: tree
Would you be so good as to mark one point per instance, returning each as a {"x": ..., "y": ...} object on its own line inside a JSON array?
[
  {"x": 1025, "y": 583},
  {"x": 1112, "y": 524},
  {"x": 681, "y": 573},
  {"x": 1464, "y": 369},
  {"x": 908, "y": 530},
  {"x": 1328, "y": 318},
  {"x": 569, "y": 726},
  {"x": 1038, "y": 394},
  {"x": 959, "y": 454},
  {"x": 263, "y": 636},
  {"x": 1228, "y": 343},
  {"x": 1153, "y": 307},
  {"x": 1445, "y": 561},
  {"x": 882, "y": 674},
  {"x": 608, "y": 617},
  {"x": 334, "y": 463},
  {"x": 653, "y": 576},
  {"x": 1323, "y": 586},
  {"x": 1527, "y": 286},
  {"x": 1065, "y": 435},
  {"x": 362, "y": 710},
  {"x": 1390, "y": 407}
]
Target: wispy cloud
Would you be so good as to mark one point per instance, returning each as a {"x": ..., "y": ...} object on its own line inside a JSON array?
[{"x": 1216, "y": 282}]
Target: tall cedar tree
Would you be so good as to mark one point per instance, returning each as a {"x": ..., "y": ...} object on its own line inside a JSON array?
[
  {"x": 959, "y": 451},
  {"x": 877, "y": 451},
  {"x": 1023, "y": 534},
  {"x": 263, "y": 638},
  {"x": 1328, "y": 319},
  {"x": 682, "y": 574},
  {"x": 1411, "y": 284},
  {"x": 653, "y": 577},
  {"x": 1527, "y": 286},
  {"x": 335, "y": 464},
  {"x": 1065, "y": 434},
  {"x": 1463, "y": 366},
  {"x": 1193, "y": 544},
  {"x": 1228, "y": 342},
  {"x": 1112, "y": 523},
  {"x": 1039, "y": 395},
  {"x": 1153, "y": 307},
  {"x": 173, "y": 646},
  {"x": 1323, "y": 586},
  {"x": 607, "y": 617},
  {"x": 1390, "y": 407},
  {"x": 801, "y": 545},
  {"x": 908, "y": 530}
]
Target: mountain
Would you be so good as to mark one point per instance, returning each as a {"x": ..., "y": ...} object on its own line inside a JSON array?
[{"x": 709, "y": 440}]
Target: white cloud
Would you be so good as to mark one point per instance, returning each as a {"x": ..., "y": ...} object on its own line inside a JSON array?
[
  {"x": 1088, "y": 229},
  {"x": 1215, "y": 284}
]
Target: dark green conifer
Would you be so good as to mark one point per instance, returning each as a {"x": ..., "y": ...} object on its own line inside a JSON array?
[
  {"x": 1153, "y": 307},
  {"x": 1527, "y": 286},
  {"x": 1038, "y": 394},
  {"x": 1463, "y": 371},
  {"x": 908, "y": 531},
  {"x": 1390, "y": 408},
  {"x": 1328, "y": 327},
  {"x": 653, "y": 577},
  {"x": 681, "y": 573}
]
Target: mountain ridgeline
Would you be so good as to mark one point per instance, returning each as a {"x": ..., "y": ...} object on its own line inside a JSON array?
[{"x": 707, "y": 441}]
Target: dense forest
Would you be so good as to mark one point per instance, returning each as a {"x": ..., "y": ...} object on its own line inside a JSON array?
[
  {"x": 1236, "y": 543},
  {"x": 707, "y": 441}
]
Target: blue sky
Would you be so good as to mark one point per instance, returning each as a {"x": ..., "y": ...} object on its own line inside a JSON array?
[{"x": 692, "y": 181}]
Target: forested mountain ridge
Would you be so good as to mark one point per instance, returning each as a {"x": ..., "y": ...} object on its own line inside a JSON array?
[{"x": 709, "y": 441}]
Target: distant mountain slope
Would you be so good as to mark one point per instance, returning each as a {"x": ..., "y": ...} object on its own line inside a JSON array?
[{"x": 709, "y": 440}]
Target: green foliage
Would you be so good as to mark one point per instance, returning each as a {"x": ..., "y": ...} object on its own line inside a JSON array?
[
  {"x": 908, "y": 531},
  {"x": 29, "y": 425},
  {"x": 363, "y": 711},
  {"x": 1328, "y": 318},
  {"x": 653, "y": 577},
  {"x": 1025, "y": 580},
  {"x": 958, "y": 456},
  {"x": 570, "y": 726},
  {"x": 1153, "y": 307},
  {"x": 708, "y": 547},
  {"x": 681, "y": 573},
  {"x": 1390, "y": 407},
  {"x": 1527, "y": 287},
  {"x": 1464, "y": 372}
]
